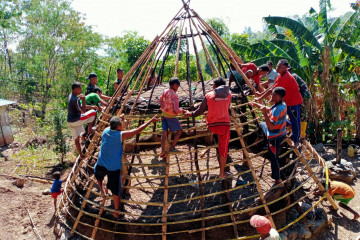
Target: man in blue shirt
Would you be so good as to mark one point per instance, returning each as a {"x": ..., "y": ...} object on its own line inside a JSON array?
[
  {"x": 274, "y": 129},
  {"x": 109, "y": 161}
]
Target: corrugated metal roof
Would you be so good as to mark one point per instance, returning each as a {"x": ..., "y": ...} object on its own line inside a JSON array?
[{"x": 4, "y": 102}]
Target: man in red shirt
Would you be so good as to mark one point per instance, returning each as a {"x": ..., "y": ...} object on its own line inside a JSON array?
[
  {"x": 292, "y": 98},
  {"x": 217, "y": 103}
]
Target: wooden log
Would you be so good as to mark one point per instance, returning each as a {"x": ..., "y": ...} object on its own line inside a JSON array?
[{"x": 339, "y": 145}]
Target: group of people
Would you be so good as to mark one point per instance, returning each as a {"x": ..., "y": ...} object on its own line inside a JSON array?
[{"x": 285, "y": 94}]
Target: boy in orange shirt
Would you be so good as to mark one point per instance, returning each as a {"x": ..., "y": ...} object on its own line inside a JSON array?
[
  {"x": 169, "y": 105},
  {"x": 343, "y": 193}
]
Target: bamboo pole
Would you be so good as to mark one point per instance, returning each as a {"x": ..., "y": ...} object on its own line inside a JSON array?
[
  {"x": 82, "y": 207},
  {"x": 166, "y": 190},
  {"x": 178, "y": 48},
  {"x": 97, "y": 221},
  {"x": 246, "y": 153},
  {"x": 206, "y": 51},
  {"x": 316, "y": 180}
]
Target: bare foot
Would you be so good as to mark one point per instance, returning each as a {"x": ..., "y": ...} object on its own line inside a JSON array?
[
  {"x": 356, "y": 217},
  {"x": 115, "y": 214}
]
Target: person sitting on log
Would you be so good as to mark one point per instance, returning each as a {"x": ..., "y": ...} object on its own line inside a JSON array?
[
  {"x": 78, "y": 116},
  {"x": 264, "y": 228},
  {"x": 217, "y": 103},
  {"x": 343, "y": 193},
  {"x": 169, "y": 105},
  {"x": 90, "y": 88},
  {"x": 293, "y": 98},
  {"x": 274, "y": 129},
  {"x": 109, "y": 161}
]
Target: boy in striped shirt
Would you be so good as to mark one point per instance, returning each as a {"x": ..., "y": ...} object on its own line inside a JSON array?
[{"x": 274, "y": 128}]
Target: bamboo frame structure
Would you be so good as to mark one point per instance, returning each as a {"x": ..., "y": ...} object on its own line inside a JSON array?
[{"x": 171, "y": 205}]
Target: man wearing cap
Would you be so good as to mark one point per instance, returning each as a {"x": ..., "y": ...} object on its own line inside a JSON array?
[
  {"x": 264, "y": 228},
  {"x": 90, "y": 88}
]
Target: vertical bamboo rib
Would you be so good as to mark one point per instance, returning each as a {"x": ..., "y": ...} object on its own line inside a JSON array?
[
  {"x": 206, "y": 51},
  {"x": 197, "y": 57},
  {"x": 231, "y": 208},
  {"x": 215, "y": 50},
  {"x": 316, "y": 180},
  {"x": 166, "y": 190},
  {"x": 262, "y": 197},
  {"x": 202, "y": 203},
  {"x": 97, "y": 221},
  {"x": 178, "y": 48},
  {"x": 82, "y": 207}
]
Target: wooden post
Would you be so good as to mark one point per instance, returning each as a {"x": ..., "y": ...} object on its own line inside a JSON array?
[
  {"x": 246, "y": 153},
  {"x": 339, "y": 145},
  {"x": 166, "y": 190},
  {"x": 316, "y": 180}
]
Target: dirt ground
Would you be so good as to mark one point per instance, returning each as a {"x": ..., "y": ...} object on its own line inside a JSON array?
[{"x": 15, "y": 222}]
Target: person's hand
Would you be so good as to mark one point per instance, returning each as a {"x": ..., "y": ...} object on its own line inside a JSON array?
[
  {"x": 155, "y": 118},
  {"x": 82, "y": 97},
  {"x": 187, "y": 114},
  {"x": 122, "y": 117},
  {"x": 263, "y": 109}
]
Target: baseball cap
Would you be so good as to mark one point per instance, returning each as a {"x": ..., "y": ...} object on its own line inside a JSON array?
[
  {"x": 91, "y": 75},
  {"x": 261, "y": 223}
]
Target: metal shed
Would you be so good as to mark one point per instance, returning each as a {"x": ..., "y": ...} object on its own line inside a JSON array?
[{"x": 6, "y": 135}]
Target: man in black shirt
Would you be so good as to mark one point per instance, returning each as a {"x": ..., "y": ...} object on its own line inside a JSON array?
[
  {"x": 78, "y": 116},
  {"x": 90, "y": 88}
]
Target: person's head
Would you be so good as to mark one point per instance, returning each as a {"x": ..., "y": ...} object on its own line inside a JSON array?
[
  {"x": 270, "y": 65},
  {"x": 76, "y": 88},
  {"x": 262, "y": 225},
  {"x": 174, "y": 83},
  {"x": 115, "y": 123},
  {"x": 219, "y": 81},
  {"x": 249, "y": 73},
  {"x": 56, "y": 175},
  {"x": 263, "y": 69},
  {"x": 97, "y": 91},
  {"x": 120, "y": 73},
  {"x": 282, "y": 66},
  {"x": 93, "y": 78},
  {"x": 278, "y": 94}
]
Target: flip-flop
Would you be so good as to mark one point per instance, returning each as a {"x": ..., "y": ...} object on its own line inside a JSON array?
[{"x": 174, "y": 150}]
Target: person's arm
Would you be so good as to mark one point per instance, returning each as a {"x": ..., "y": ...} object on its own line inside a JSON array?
[
  {"x": 133, "y": 132},
  {"x": 201, "y": 109},
  {"x": 269, "y": 123},
  {"x": 103, "y": 103},
  {"x": 264, "y": 94},
  {"x": 83, "y": 103},
  {"x": 104, "y": 97},
  {"x": 175, "y": 100}
]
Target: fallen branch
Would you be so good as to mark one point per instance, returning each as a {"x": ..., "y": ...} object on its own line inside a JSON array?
[
  {"x": 32, "y": 178},
  {"x": 36, "y": 231}
]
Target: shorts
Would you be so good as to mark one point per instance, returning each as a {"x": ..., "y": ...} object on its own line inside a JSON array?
[
  {"x": 223, "y": 133},
  {"x": 170, "y": 123},
  {"x": 56, "y": 194},
  {"x": 78, "y": 127},
  {"x": 114, "y": 178},
  {"x": 341, "y": 199}
]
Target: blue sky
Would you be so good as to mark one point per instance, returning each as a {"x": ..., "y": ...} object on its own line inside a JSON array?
[{"x": 150, "y": 17}]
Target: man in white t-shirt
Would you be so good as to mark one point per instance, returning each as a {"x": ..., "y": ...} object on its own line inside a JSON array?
[
  {"x": 264, "y": 228},
  {"x": 271, "y": 75}
]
